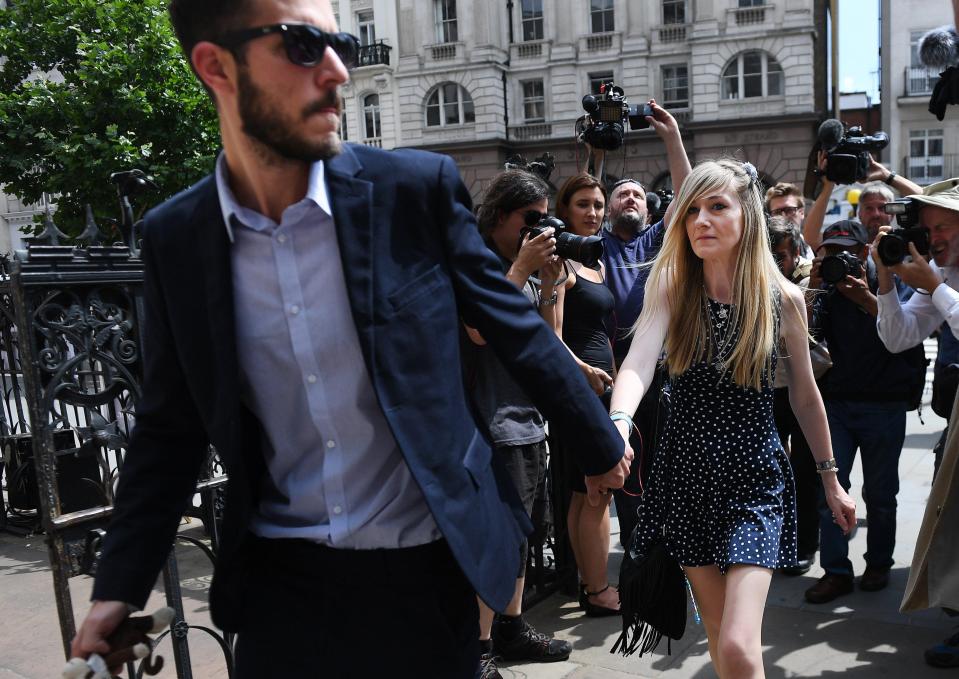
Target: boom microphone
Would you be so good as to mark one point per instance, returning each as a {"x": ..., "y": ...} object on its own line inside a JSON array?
[
  {"x": 939, "y": 48},
  {"x": 830, "y": 134}
]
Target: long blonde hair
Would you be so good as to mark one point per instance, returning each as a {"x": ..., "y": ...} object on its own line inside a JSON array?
[{"x": 679, "y": 271}]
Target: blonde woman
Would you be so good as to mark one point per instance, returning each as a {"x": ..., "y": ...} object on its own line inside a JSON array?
[{"x": 721, "y": 484}]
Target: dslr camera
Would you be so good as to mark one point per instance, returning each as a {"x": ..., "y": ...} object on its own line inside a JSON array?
[
  {"x": 847, "y": 151},
  {"x": 894, "y": 246},
  {"x": 607, "y": 114},
  {"x": 835, "y": 268},
  {"x": 587, "y": 250}
]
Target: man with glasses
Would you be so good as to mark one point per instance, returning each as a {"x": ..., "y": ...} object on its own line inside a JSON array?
[{"x": 302, "y": 307}]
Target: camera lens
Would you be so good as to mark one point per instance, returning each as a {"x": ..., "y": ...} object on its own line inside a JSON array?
[
  {"x": 833, "y": 269},
  {"x": 892, "y": 249}
]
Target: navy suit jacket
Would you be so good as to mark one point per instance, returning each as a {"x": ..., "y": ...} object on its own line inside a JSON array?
[{"x": 415, "y": 266}]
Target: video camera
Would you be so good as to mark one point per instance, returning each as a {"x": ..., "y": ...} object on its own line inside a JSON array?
[
  {"x": 894, "y": 246},
  {"x": 604, "y": 125},
  {"x": 847, "y": 151},
  {"x": 586, "y": 250}
]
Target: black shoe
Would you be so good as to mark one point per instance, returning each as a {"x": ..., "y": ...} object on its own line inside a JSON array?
[
  {"x": 874, "y": 579},
  {"x": 945, "y": 654},
  {"x": 801, "y": 568},
  {"x": 529, "y": 645},
  {"x": 487, "y": 667},
  {"x": 829, "y": 587},
  {"x": 591, "y": 609}
]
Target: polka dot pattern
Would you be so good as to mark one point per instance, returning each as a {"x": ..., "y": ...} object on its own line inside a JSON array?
[{"x": 722, "y": 472}]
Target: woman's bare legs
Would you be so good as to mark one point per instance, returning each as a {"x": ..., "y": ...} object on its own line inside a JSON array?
[
  {"x": 588, "y": 528},
  {"x": 732, "y": 608}
]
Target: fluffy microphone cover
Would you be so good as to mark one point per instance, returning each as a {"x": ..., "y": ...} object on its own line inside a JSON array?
[{"x": 939, "y": 48}]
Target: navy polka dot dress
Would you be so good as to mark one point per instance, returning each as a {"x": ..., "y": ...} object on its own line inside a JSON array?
[{"x": 721, "y": 471}]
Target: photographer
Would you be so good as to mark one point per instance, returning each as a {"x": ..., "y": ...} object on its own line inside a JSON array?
[
  {"x": 867, "y": 393},
  {"x": 900, "y": 324},
  {"x": 515, "y": 426}
]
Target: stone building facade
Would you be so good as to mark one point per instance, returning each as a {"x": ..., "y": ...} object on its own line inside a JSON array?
[
  {"x": 920, "y": 147},
  {"x": 483, "y": 80}
]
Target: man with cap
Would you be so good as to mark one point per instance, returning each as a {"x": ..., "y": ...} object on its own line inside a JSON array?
[
  {"x": 900, "y": 325},
  {"x": 866, "y": 393}
]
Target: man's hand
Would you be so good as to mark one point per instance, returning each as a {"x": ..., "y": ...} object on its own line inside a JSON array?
[
  {"x": 917, "y": 273},
  {"x": 815, "y": 274},
  {"x": 855, "y": 289},
  {"x": 886, "y": 283},
  {"x": 662, "y": 121},
  {"x": 598, "y": 487},
  {"x": 104, "y": 617},
  {"x": 877, "y": 172},
  {"x": 598, "y": 378},
  {"x": 534, "y": 253}
]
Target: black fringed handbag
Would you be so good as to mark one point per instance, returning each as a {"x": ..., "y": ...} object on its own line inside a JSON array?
[{"x": 652, "y": 592}]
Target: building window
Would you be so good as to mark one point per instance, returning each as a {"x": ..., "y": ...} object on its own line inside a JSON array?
[
  {"x": 534, "y": 103},
  {"x": 925, "y": 156},
  {"x": 752, "y": 3},
  {"x": 365, "y": 27},
  {"x": 449, "y": 104},
  {"x": 597, "y": 80},
  {"x": 532, "y": 20},
  {"x": 445, "y": 21},
  {"x": 371, "y": 116},
  {"x": 752, "y": 74},
  {"x": 343, "y": 133},
  {"x": 601, "y": 16},
  {"x": 674, "y": 11},
  {"x": 676, "y": 86}
]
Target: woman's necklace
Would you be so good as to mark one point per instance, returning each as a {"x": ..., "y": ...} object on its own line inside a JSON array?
[{"x": 721, "y": 331}]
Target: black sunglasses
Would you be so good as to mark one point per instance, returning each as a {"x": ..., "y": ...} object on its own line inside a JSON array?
[
  {"x": 534, "y": 217},
  {"x": 305, "y": 44}
]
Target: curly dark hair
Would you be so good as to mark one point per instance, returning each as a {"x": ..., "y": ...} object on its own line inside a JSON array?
[{"x": 510, "y": 190}]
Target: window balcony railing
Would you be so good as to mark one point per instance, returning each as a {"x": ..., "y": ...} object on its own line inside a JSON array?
[
  {"x": 672, "y": 33},
  {"x": 374, "y": 141},
  {"x": 747, "y": 16},
  {"x": 531, "y": 131},
  {"x": 931, "y": 169},
  {"x": 446, "y": 51},
  {"x": 920, "y": 80},
  {"x": 529, "y": 50},
  {"x": 377, "y": 54},
  {"x": 600, "y": 42}
]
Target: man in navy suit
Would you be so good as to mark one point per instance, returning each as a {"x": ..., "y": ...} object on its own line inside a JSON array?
[{"x": 302, "y": 307}]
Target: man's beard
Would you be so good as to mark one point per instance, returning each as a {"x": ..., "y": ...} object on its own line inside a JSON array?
[
  {"x": 629, "y": 221},
  {"x": 276, "y": 130}
]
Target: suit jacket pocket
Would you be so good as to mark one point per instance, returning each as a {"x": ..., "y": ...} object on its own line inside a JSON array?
[
  {"x": 477, "y": 458},
  {"x": 419, "y": 288}
]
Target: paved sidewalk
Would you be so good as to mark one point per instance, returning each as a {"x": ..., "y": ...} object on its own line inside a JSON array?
[{"x": 862, "y": 637}]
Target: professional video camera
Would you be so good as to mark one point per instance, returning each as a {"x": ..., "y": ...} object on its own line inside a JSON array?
[
  {"x": 847, "y": 151},
  {"x": 586, "y": 250},
  {"x": 665, "y": 198},
  {"x": 604, "y": 125},
  {"x": 835, "y": 268},
  {"x": 894, "y": 246}
]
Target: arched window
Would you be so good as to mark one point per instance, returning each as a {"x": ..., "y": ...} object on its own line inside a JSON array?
[
  {"x": 752, "y": 74},
  {"x": 449, "y": 104},
  {"x": 371, "y": 115}
]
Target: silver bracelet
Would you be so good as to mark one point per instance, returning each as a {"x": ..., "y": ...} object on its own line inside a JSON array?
[
  {"x": 551, "y": 301},
  {"x": 827, "y": 466}
]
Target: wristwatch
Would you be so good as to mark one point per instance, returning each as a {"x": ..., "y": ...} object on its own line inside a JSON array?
[{"x": 891, "y": 178}]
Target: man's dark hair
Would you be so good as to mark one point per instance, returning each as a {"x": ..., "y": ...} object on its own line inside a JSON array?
[
  {"x": 780, "y": 229},
  {"x": 510, "y": 190},
  {"x": 198, "y": 20}
]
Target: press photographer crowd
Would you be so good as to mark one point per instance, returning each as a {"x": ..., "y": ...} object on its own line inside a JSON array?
[{"x": 720, "y": 450}]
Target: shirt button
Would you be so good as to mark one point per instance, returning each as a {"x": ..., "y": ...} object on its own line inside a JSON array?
[
  {"x": 311, "y": 379},
  {"x": 331, "y": 444},
  {"x": 337, "y": 510},
  {"x": 281, "y": 238},
  {"x": 294, "y": 309}
]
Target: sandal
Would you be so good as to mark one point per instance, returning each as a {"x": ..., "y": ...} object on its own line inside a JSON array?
[{"x": 591, "y": 609}]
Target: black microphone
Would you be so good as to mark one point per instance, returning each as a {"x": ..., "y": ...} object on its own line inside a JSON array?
[
  {"x": 939, "y": 48},
  {"x": 830, "y": 134}
]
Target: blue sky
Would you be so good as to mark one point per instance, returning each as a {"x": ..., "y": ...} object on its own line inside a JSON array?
[{"x": 859, "y": 47}]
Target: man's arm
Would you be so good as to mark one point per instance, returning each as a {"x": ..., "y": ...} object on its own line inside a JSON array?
[
  {"x": 668, "y": 130},
  {"x": 522, "y": 341},
  {"x": 880, "y": 173},
  {"x": 812, "y": 226}
]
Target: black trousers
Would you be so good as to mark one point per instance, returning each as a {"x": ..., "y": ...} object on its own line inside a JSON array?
[
  {"x": 804, "y": 471},
  {"x": 311, "y": 611}
]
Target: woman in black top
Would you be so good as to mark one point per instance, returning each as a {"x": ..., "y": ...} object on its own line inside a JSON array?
[{"x": 584, "y": 304}]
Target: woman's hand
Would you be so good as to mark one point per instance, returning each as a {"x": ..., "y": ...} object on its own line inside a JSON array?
[
  {"x": 598, "y": 379},
  {"x": 840, "y": 504}
]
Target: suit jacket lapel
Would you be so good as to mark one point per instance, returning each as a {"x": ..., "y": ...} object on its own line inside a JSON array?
[
  {"x": 214, "y": 252},
  {"x": 351, "y": 202}
]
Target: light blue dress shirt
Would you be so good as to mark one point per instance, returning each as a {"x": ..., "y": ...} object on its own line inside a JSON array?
[{"x": 336, "y": 475}]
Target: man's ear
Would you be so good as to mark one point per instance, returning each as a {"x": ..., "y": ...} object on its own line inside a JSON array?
[{"x": 214, "y": 66}]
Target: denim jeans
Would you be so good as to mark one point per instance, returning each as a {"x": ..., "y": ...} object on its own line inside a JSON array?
[{"x": 878, "y": 431}]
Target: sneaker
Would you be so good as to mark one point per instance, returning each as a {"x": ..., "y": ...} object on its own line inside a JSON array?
[
  {"x": 828, "y": 587},
  {"x": 487, "y": 667},
  {"x": 945, "y": 654},
  {"x": 530, "y": 645}
]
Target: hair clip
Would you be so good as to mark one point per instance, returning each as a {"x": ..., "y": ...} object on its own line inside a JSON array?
[{"x": 750, "y": 169}]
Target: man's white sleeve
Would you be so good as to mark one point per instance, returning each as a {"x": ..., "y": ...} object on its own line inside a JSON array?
[{"x": 904, "y": 326}]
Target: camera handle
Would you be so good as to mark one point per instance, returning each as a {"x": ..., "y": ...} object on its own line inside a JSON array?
[{"x": 596, "y": 163}]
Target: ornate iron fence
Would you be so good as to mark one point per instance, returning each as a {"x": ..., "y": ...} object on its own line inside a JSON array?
[{"x": 70, "y": 371}]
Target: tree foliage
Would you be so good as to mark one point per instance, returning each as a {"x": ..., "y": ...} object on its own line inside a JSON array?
[{"x": 90, "y": 87}]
